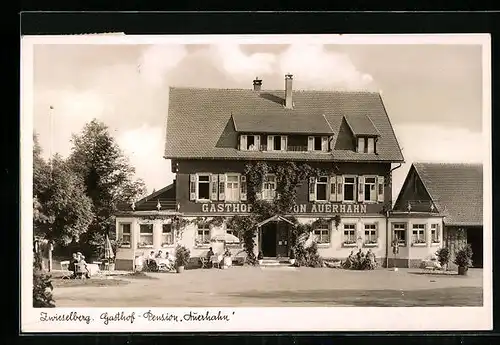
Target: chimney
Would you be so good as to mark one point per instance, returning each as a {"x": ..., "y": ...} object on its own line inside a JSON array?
[
  {"x": 257, "y": 84},
  {"x": 288, "y": 91}
]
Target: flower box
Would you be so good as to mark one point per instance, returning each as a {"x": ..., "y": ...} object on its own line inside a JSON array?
[
  {"x": 371, "y": 244},
  {"x": 348, "y": 244},
  {"x": 419, "y": 244}
]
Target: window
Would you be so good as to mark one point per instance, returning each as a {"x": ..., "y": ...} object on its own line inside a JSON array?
[
  {"x": 370, "y": 190},
  {"x": 418, "y": 234},
  {"x": 250, "y": 142},
  {"x": 435, "y": 238},
  {"x": 349, "y": 188},
  {"x": 277, "y": 142},
  {"x": 399, "y": 233},
  {"x": 203, "y": 235},
  {"x": 371, "y": 234},
  {"x": 366, "y": 145},
  {"x": 317, "y": 143},
  {"x": 321, "y": 188},
  {"x": 167, "y": 235},
  {"x": 269, "y": 187},
  {"x": 322, "y": 236},
  {"x": 145, "y": 236},
  {"x": 125, "y": 234},
  {"x": 232, "y": 187},
  {"x": 203, "y": 187},
  {"x": 349, "y": 234}
]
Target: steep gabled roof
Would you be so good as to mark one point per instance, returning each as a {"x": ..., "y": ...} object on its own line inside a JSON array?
[
  {"x": 361, "y": 125},
  {"x": 203, "y": 123},
  {"x": 456, "y": 189}
]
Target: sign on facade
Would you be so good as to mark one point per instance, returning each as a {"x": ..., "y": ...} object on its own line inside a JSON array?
[{"x": 301, "y": 208}]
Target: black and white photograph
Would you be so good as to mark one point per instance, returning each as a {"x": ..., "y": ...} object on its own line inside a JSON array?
[{"x": 248, "y": 181}]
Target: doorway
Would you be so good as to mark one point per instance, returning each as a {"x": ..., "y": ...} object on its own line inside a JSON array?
[
  {"x": 268, "y": 243},
  {"x": 475, "y": 239}
]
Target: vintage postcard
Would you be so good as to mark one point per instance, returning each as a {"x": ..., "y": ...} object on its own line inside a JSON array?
[{"x": 256, "y": 183}]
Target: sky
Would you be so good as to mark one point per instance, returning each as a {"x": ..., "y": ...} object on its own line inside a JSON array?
[{"x": 432, "y": 93}]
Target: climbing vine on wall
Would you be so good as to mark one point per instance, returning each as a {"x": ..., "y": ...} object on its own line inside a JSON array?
[{"x": 209, "y": 221}]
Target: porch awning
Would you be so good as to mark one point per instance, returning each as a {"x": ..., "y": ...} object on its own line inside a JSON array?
[{"x": 275, "y": 218}]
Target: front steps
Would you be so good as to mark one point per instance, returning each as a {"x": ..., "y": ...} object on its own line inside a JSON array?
[{"x": 275, "y": 262}]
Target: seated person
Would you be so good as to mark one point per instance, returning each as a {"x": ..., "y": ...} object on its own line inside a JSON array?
[
  {"x": 151, "y": 262},
  {"x": 169, "y": 261},
  {"x": 210, "y": 253},
  {"x": 227, "y": 253},
  {"x": 72, "y": 264},
  {"x": 81, "y": 266},
  {"x": 159, "y": 255}
]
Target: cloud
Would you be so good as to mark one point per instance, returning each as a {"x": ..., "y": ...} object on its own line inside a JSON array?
[
  {"x": 144, "y": 148},
  {"x": 316, "y": 68},
  {"x": 232, "y": 61},
  {"x": 157, "y": 60}
]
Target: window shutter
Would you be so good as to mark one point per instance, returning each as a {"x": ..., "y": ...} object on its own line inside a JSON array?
[
  {"x": 333, "y": 188},
  {"x": 340, "y": 188},
  {"x": 332, "y": 143},
  {"x": 243, "y": 195},
  {"x": 257, "y": 142},
  {"x": 269, "y": 143},
  {"x": 243, "y": 142},
  {"x": 361, "y": 189},
  {"x": 214, "y": 187},
  {"x": 283, "y": 143},
  {"x": 312, "y": 188},
  {"x": 380, "y": 193},
  {"x": 192, "y": 187},
  {"x": 222, "y": 187},
  {"x": 361, "y": 145},
  {"x": 310, "y": 143},
  {"x": 324, "y": 144}
]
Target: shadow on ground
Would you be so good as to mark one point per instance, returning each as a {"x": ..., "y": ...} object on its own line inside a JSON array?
[{"x": 460, "y": 296}]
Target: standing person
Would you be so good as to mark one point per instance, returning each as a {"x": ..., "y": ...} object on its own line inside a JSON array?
[
  {"x": 210, "y": 254},
  {"x": 72, "y": 264}
]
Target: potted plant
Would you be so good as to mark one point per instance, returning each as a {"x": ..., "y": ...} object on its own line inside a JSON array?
[
  {"x": 463, "y": 259},
  {"x": 260, "y": 258},
  {"x": 292, "y": 257},
  {"x": 182, "y": 256}
]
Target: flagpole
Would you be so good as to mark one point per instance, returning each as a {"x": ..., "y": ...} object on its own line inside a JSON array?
[{"x": 51, "y": 119}]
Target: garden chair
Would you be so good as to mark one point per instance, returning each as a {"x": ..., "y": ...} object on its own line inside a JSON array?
[
  {"x": 66, "y": 273},
  {"x": 204, "y": 262},
  {"x": 215, "y": 260}
]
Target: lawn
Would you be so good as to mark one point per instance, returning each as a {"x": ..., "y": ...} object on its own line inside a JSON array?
[{"x": 276, "y": 287}]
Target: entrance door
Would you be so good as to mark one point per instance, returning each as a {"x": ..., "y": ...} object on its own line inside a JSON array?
[
  {"x": 475, "y": 239},
  {"x": 282, "y": 240},
  {"x": 268, "y": 244}
]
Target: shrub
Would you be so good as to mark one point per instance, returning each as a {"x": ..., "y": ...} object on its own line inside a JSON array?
[
  {"x": 463, "y": 257},
  {"x": 42, "y": 287},
  {"x": 443, "y": 255},
  {"x": 360, "y": 261},
  {"x": 182, "y": 255},
  {"x": 308, "y": 256}
]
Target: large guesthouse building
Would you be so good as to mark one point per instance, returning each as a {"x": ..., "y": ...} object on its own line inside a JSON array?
[{"x": 214, "y": 134}]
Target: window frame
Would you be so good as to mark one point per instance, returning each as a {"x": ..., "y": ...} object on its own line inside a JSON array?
[
  {"x": 374, "y": 189},
  {"x": 362, "y": 144},
  {"x": 172, "y": 232},
  {"x": 238, "y": 175},
  {"x": 121, "y": 234},
  {"x": 323, "y": 233},
  {"x": 416, "y": 227},
  {"x": 198, "y": 175},
  {"x": 275, "y": 183},
  {"x": 354, "y": 190},
  {"x": 327, "y": 187},
  {"x": 372, "y": 243},
  {"x": 404, "y": 230},
  {"x": 139, "y": 242},
  {"x": 349, "y": 243},
  {"x": 435, "y": 227},
  {"x": 202, "y": 227}
]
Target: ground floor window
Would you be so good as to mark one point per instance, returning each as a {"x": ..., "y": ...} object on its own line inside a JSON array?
[
  {"x": 349, "y": 234},
  {"x": 418, "y": 234},
  {"x": 399, "y": 233},
  {"x": 125, "y": 234},
  {"x": 145, "y": 236},
  {"x": 322, "y": 236},
  {"x": 435, "y": 236},
  {"x": 371, "y": 234},
  {"x": 167, "y": 235},
  {"x": 203, "y": 235}
]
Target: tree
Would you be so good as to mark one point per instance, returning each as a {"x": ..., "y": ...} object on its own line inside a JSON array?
[
  {"x": 62, "y": 210},
  {"x": 108, "y": 177}
]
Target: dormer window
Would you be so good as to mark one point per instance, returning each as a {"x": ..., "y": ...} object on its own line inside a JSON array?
[
  {"x": 277, "y": 142},
  {"x": 249, "y": 142},
  {"x": 317, "y": 143},
  {"x": 366, "y": 145}
]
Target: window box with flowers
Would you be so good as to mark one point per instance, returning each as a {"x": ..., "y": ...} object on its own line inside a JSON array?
[
  {"x": 373, "y": 243},
  {"x": 419, "y": 243},
  {"x": 418, "y": 236}
]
